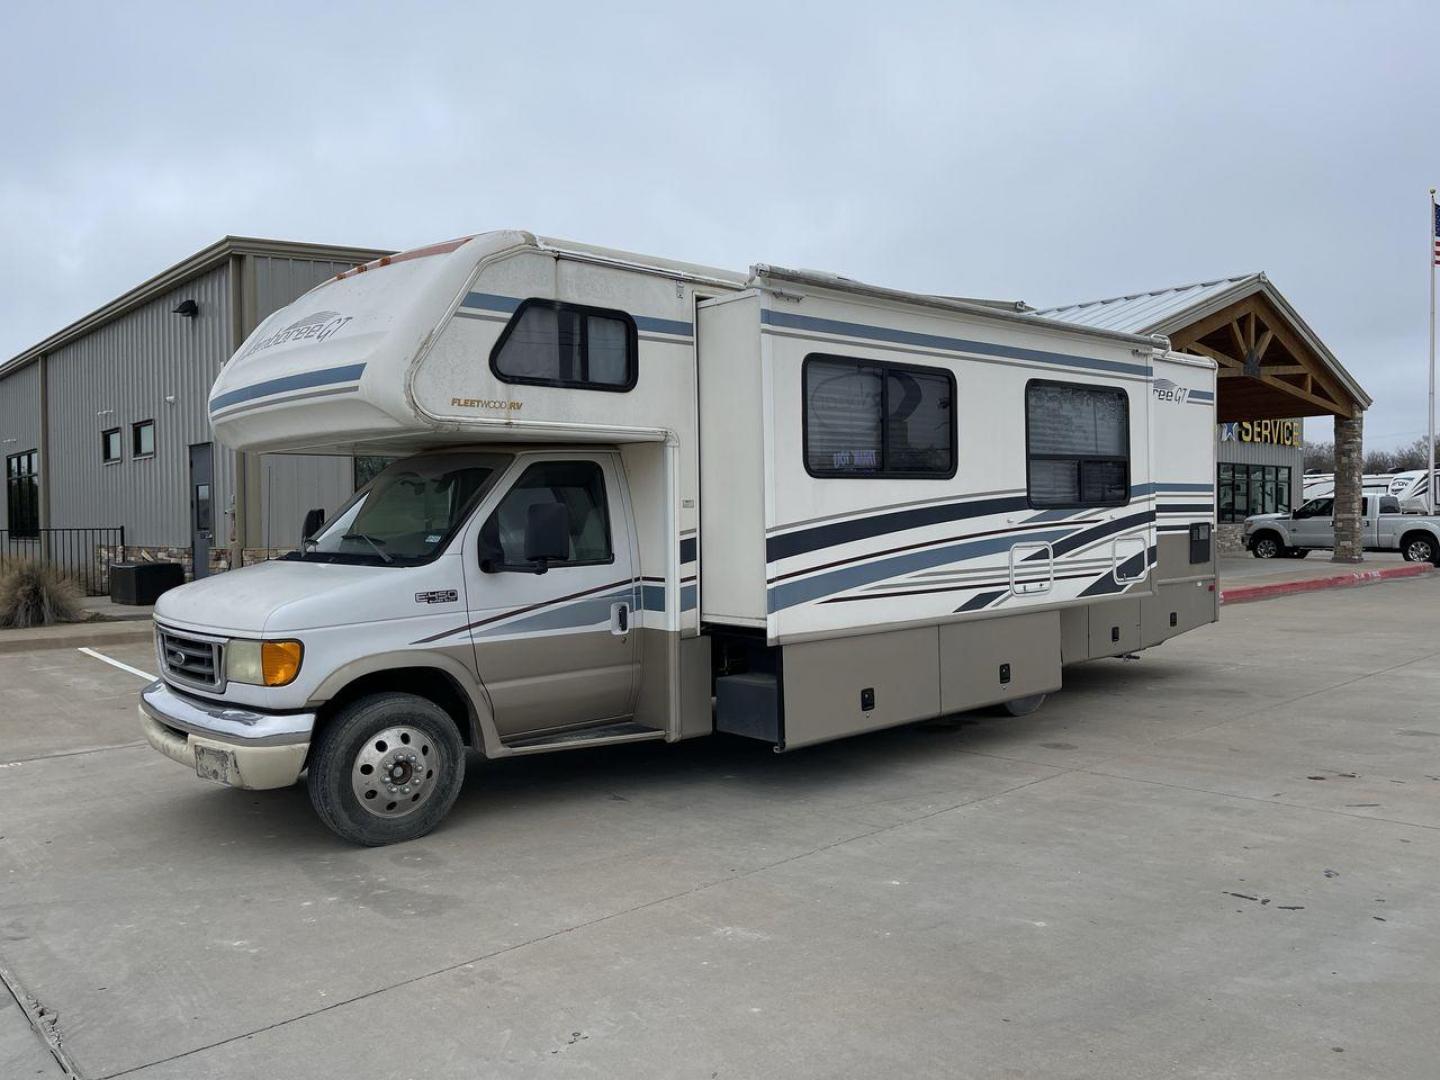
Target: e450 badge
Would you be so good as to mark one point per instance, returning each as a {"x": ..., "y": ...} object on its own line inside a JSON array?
[{"x": 437, "y": 596}]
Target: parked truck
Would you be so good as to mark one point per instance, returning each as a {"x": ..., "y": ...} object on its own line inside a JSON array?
[
  {"x": 1312, "y": 526},
  {"x": 638, "y": 499}
]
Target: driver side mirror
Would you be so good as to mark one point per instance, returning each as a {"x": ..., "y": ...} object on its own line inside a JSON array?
[
  {"x": 313, "y": 520},
  {"x": 547, "y": 535}
]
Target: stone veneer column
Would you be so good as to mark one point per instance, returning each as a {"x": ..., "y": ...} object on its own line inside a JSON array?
[{"x": 1348, "y": 468}]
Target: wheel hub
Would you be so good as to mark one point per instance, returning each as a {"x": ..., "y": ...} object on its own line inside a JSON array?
[{"x": 393, "y": 773}]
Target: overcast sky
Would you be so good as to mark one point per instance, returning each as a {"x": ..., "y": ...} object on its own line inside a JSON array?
[{"x": 1044, "y": 152}]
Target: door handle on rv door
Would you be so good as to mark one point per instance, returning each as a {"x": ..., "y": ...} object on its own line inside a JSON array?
[{"x": 620, "y": 619}]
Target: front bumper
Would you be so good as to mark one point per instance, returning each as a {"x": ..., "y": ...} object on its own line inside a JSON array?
[{"x": 242, "y": 747}]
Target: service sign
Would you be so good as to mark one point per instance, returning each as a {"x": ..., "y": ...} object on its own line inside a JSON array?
[{"x": 1274, "y": 432}]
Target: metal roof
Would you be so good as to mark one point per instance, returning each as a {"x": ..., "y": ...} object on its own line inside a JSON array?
[
  {"x": 1146, "y": 312},
  {"x": 187, "y": 270},
  {"x": 1167, "y": 311}
]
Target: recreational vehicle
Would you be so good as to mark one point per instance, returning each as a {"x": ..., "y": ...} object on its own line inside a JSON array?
[{"x": 637, "y": 499}]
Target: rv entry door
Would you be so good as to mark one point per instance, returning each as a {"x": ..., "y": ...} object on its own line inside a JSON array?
[{"x": 554, "y": 636}]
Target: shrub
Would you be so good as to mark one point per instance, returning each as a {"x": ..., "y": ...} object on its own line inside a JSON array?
[{"x": 34, "y": 593}]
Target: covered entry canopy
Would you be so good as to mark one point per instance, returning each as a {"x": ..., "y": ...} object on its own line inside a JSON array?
[{"x": 1272, "y": 365}]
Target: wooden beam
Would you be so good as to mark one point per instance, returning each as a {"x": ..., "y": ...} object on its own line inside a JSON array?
[
  {"x": 1238, "y": 333},
  {"x": 1314, "y": 365},
  {"x": 1219, "y": 357},
  {"x": 1285, "y": 369},
  {"x": 1264, "y": 343},
  {"x": 1215, "y": 321}
]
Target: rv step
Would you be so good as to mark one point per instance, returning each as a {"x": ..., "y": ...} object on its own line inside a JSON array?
[{"x": 621, "y": 731}]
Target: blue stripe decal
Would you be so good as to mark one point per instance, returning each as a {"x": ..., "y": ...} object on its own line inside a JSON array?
[
  {"x": 1162, "y": 486},
  {"x": 978, "y": 601},
  {"x": 577, "y": 615},
  {"x": 687, "y": 550},
  {"x": 490, "y": 302},
  {"x": 647, "y": 323},
  {"x": 936, "y": 341},
  {"x": 652, "y": 598},
  {"x": 687, "y": 597},
  {"x": 303, "y": 381},
  {"x": 1200, "y": 395},
  {"x": 650, "y": 324},
  {"x": 791, "y": 593}
]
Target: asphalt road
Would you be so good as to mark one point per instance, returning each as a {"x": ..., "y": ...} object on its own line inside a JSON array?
[{"x": 1220, "y": 860}]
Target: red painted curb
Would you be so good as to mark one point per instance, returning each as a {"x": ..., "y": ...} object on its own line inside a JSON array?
[{"x": 1242, "y": 593}]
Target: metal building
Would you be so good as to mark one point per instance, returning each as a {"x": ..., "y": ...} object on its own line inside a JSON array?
[{"x": 104, "y": 424}]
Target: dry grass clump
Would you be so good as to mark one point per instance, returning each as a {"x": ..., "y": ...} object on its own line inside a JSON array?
[{"x": 34, "y": 593}]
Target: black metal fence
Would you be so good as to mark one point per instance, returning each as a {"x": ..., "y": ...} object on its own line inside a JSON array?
[{"x": 85, "y": 555}]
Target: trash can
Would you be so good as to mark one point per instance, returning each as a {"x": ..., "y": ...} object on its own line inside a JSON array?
[{"x": 142, "y": 583}]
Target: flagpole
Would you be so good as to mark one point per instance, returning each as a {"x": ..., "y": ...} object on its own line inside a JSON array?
[{"x": 1434, "y": 229}]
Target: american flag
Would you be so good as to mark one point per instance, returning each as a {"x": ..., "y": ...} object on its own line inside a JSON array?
[{"x": 1437, "y": 236}]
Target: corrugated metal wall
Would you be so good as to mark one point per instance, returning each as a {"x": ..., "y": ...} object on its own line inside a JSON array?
[
  {"x": 19, "y": 422},
  {"x": 278, "y": 281},
  {"x": 149, "y": 364},
  {"x": 287, "y": 485}
]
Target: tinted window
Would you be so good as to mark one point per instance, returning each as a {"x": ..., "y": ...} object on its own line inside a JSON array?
[
  {"x": 142, "y": 438},
  {"x": 22, "y": 493},
  {"x": 577, "y": 485},
  {"x": 552, "y": 344},
  {"x": 1078, "y": 445},
  {"x": 864, "y": 418}
]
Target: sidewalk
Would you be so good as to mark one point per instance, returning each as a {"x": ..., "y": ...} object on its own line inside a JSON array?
[
  {"x": 76, "y": 635},
  {"x": 104, "y": 606},
  {"x": 1244, "y": 578}
]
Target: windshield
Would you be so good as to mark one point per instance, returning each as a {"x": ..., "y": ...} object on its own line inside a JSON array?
[{"x": 408, "y": 513}]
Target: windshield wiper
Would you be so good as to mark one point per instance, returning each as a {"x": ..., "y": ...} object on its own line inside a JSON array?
[{"x": 371, "y": 541}]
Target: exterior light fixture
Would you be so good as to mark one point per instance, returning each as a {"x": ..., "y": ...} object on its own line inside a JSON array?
[{"x": 187, "y": 309}]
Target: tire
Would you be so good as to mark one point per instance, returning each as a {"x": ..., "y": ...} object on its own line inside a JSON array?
[
  {"x": 1024, "y": 706},
  {"x": 1419, "y": 547},
  {"x": 369, "y": 744},
  {"x": 1266, "y": 546}
]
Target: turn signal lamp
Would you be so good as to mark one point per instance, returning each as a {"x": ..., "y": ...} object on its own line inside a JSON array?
[{"x": 280, "y": 661}]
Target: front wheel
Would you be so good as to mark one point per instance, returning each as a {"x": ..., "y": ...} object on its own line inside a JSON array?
[
  {"x": 1265, "y": 547},
  {"x": 1419, "y": 549},
  {"x": 387, "y": 768}
]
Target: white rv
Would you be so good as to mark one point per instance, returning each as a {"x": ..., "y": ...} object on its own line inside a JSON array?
[{"x": 645, "y": 500}]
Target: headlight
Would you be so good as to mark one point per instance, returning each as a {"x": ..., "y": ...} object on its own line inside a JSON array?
[{"x": 263, "y": 663}]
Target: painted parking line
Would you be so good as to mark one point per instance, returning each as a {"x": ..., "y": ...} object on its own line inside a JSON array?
[{"x": 116, "y": 663}]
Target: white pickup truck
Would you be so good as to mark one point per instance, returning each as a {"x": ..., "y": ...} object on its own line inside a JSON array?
[{"x": 1312, "y": 525}]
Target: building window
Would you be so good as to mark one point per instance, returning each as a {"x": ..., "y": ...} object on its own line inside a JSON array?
[
  {"x": 22, "y": 494},
  {"x": 1077, "y": 445},
  {"x": 142, "y": 439},
  {"x": 547, "y": 343},
  {"x": 1242, "y": 490},
  {"x": 872, "y": 419},
  {"x": 110, "y": 445}
]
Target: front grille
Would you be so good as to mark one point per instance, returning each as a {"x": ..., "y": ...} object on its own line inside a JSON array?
[{"x": 190, "y": 659}]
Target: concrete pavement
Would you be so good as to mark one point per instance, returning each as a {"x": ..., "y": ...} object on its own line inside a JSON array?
[{"x": 1217, "y": 861}]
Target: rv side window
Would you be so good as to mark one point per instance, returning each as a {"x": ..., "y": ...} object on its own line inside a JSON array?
[
  {"x": 866, "y": 418},
  {"x": 1078, "y": 445},
  {"x": 579, "y": 486},
  {"x": 547, "y": 343}
]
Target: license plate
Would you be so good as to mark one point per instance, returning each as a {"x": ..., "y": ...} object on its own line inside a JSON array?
[{"x": 213, "y": 764}]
